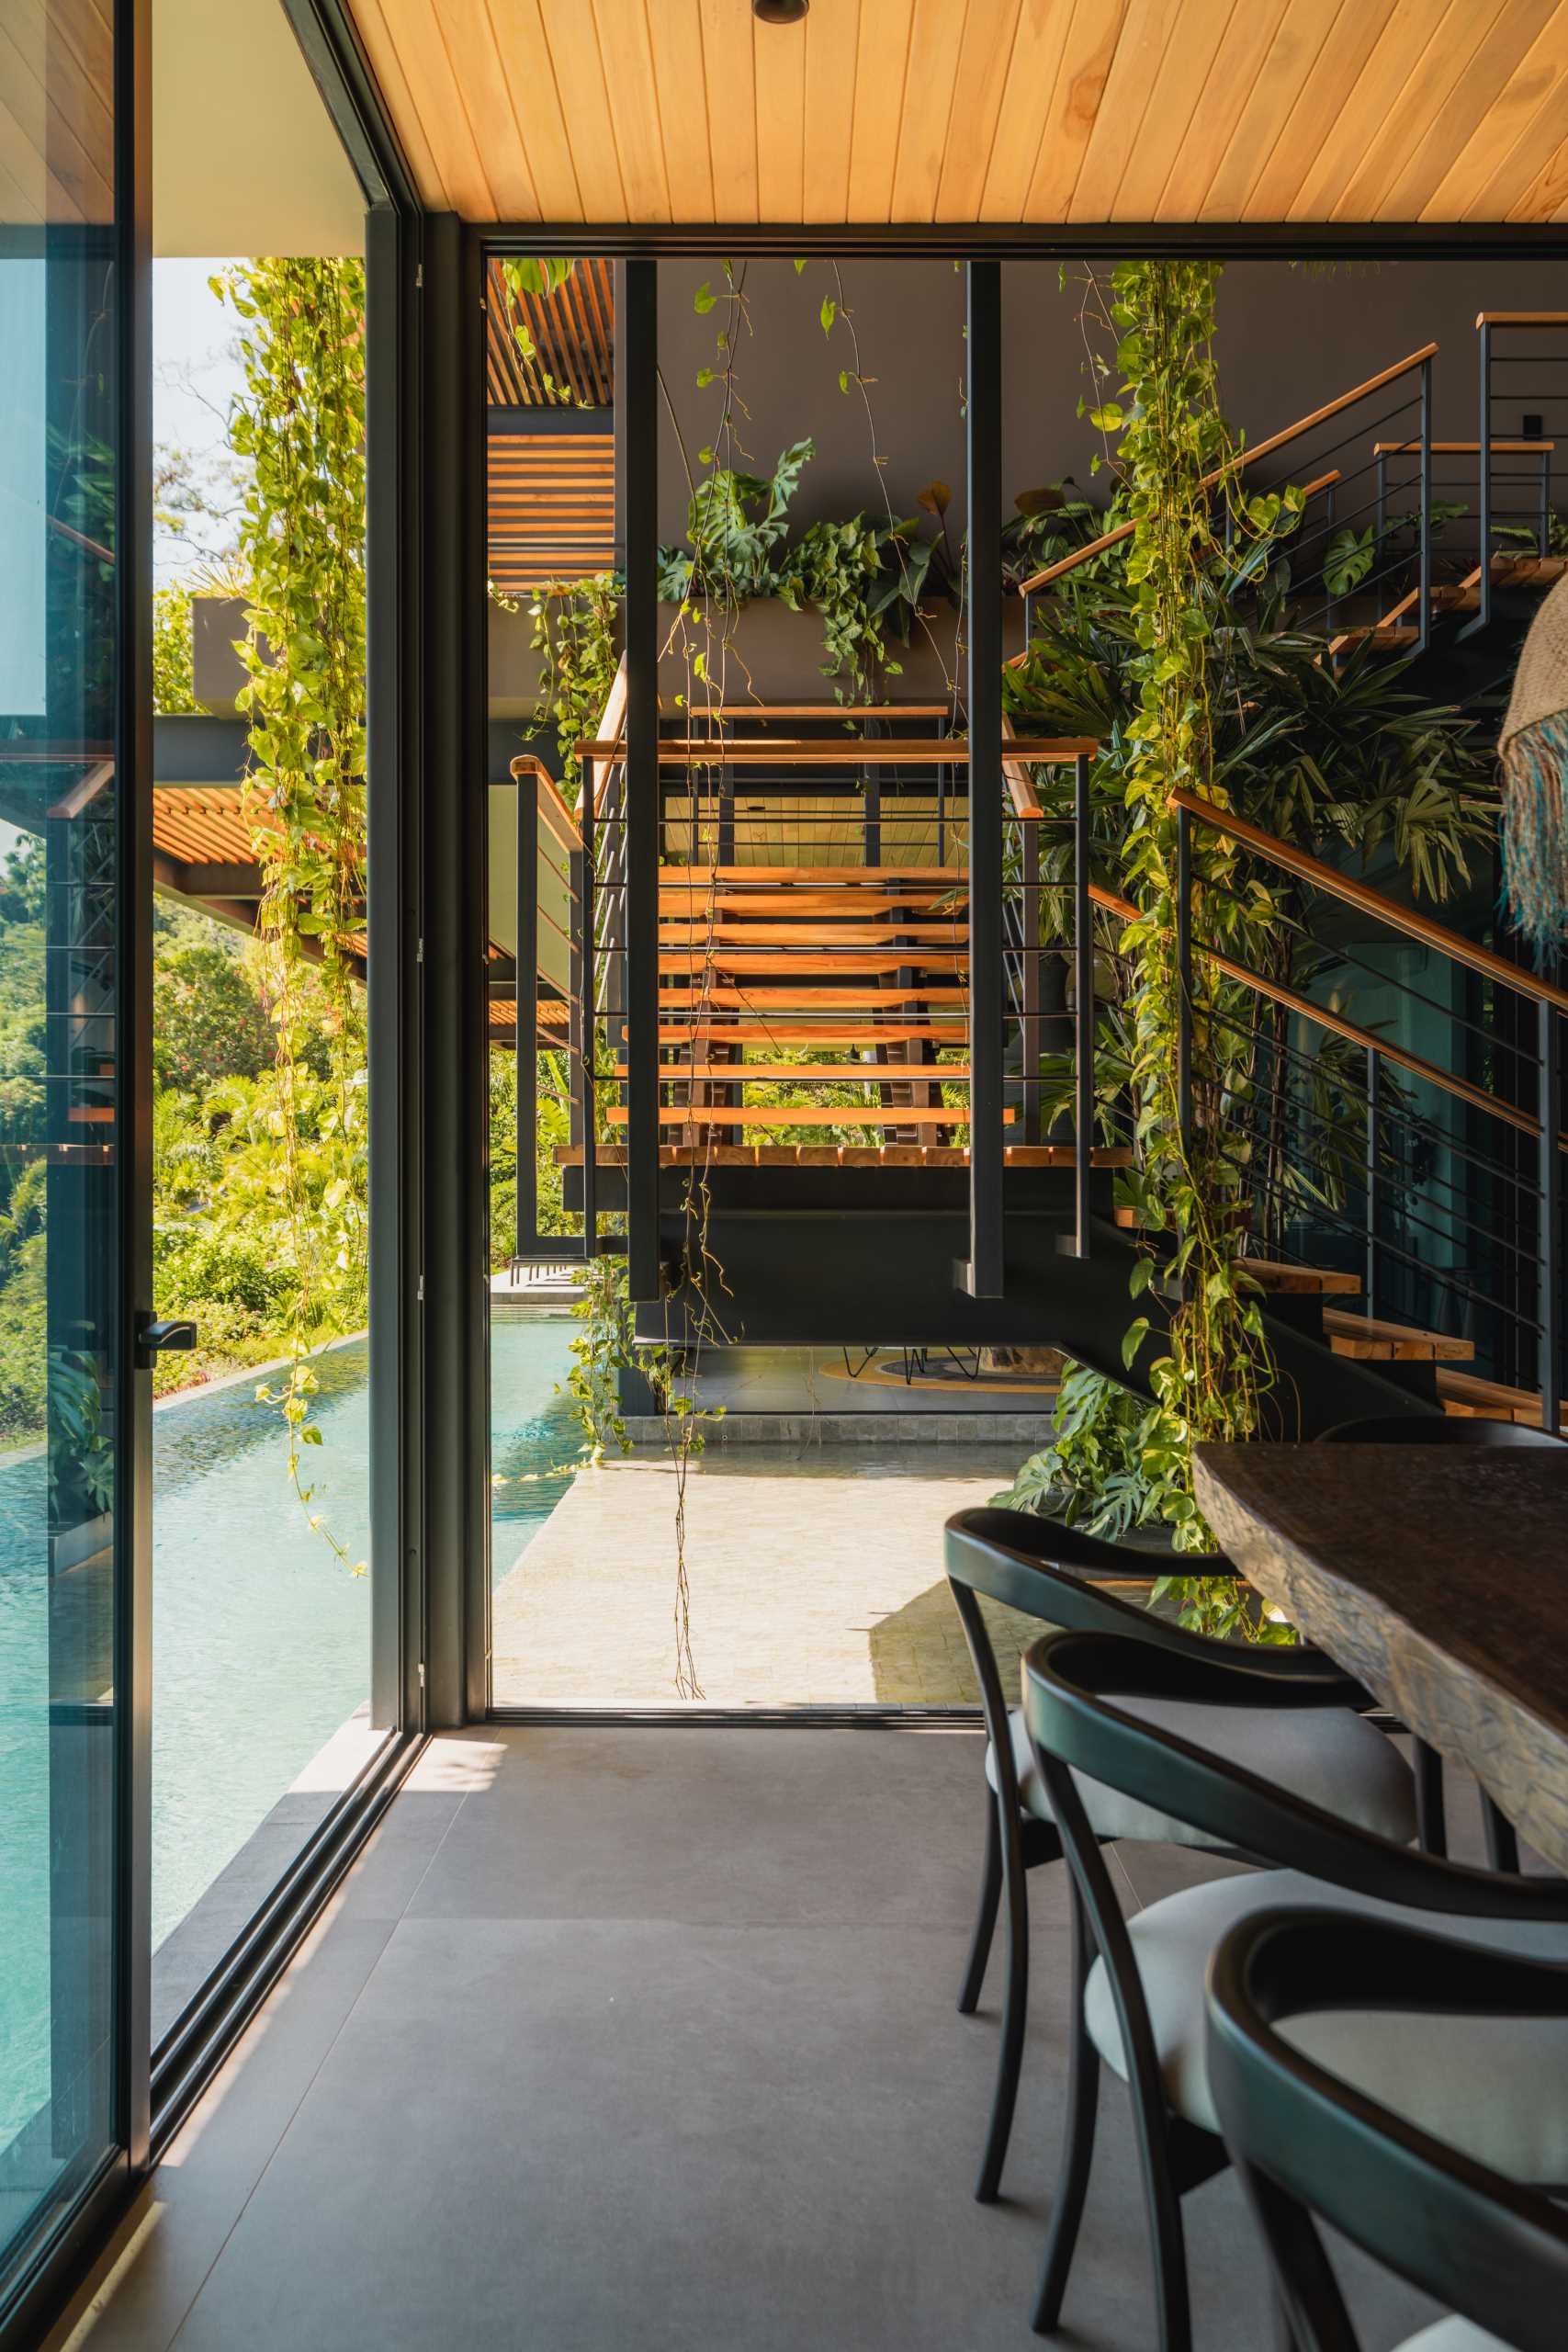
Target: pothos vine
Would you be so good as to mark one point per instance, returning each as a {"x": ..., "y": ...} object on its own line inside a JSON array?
[
  {"x": 1170, "y": 441},
  {"x": 300, "y": 422}
]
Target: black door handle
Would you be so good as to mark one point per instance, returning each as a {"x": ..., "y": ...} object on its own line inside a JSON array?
[{"x": 154, "y": 1335}]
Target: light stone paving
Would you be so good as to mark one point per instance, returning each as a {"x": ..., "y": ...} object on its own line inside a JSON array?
[{"x": 816, "y": 1580}]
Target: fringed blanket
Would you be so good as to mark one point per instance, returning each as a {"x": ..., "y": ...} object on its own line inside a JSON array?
[{"x": 1534, "y": 783}]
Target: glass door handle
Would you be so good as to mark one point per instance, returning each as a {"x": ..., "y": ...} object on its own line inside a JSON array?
[{"x": 154, "y": 1336}]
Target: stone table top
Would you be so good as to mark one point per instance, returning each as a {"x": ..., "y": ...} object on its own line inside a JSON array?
[{"x": 1437, "y": 1576}]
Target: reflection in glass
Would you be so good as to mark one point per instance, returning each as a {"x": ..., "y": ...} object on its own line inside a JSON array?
[{"x": 59, "y": 1172}]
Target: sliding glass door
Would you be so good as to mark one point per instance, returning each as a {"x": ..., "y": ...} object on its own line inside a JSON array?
[{"x": 65, "y": 1401}]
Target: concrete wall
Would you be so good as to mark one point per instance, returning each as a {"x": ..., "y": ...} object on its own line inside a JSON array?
[{"x": 1289, "y": 341}]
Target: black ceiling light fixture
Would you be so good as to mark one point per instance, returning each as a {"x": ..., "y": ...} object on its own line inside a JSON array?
[{"x": 779, "y": 12}]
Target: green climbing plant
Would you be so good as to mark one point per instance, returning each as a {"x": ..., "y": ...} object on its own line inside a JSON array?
[
  {"x": 577, "y": 638},
  {"x": 1210, "y": 1365},
  {"x": 301, "y": 426}
]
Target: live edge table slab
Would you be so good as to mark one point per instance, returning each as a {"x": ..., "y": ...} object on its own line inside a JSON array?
[{"x": 1439, "y": 1576}]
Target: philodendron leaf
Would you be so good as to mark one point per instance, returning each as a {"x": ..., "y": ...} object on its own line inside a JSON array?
[
  {"x": 703, "y": 298},
  {"x": 1133, "y": 1338},
  {"x": 936, "y": 498},
  {"x": 827, "y": 313}
]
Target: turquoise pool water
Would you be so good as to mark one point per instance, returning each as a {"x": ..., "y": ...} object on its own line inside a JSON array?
[{"x": 261, "y": 1642}]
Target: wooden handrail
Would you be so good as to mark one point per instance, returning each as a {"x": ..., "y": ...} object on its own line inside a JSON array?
[
  {"x": 761, "y": 710},
  {"x": 1245, "y": 457},
  {"x": 1416, "y": 1064},
  {"x": 1457, "y": 449},
  {"x": 612, "y": 727},
  {"x": 552, "y": 807},
  {"x": 1521, "y": 319},
  {"x": 854, "y": 752},
  {"x": 1368, "y": 901}
]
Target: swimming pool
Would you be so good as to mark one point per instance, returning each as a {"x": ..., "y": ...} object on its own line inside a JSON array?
[{"x": 260, "y": 1641}]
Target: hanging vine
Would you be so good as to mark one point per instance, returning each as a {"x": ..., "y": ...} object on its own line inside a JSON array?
[
  {"x": 300, "y": 423},
  {"x": 1169, "y": 436}
]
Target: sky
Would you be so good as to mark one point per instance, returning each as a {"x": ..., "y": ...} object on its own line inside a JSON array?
[{"x": 195, "y": 375}]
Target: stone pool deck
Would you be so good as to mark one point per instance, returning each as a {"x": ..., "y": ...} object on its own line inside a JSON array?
[{"x": 815, "y": 1578}]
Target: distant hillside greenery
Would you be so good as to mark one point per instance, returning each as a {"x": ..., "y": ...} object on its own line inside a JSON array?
[{"x": 220, "y": 1239}]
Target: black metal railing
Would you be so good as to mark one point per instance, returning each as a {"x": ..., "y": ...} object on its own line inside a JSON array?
[
  {"x": 1436, "y": 1175},
  {"x": 1523, "y": 360}
]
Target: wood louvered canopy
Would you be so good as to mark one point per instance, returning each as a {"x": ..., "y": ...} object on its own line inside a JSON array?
[
  {"x": 549, "y": 379},
  {"x": 981, "y": 110}
]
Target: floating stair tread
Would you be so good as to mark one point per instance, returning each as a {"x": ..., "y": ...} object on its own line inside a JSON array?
[
  {"x": 1368, "y": 1337},
  {"x": 805, "y": 1114},
  {"x": 803, "y": 1074},
  {"x": 843, "y": 906},
  {"x": 1374, "y": 631},
  {"x": 887, "y": 1155},
  {"x": 761, "y": 1001},
  {"x": 1529, "y": 571},
  {"x": 781, "y": 963},
  {"x": 1273, "y": 1274},
  {"x": 819, "y": 876},
  {"x": 814, "y": 1032},
  {"x": 678, "y": 932},
  {"x": 1468, "y": 1393}
]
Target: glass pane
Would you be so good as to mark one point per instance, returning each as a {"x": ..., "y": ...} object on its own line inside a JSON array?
[
  {"x": 59, "y": 1124},
  {"x": 261, "y": 1626}
]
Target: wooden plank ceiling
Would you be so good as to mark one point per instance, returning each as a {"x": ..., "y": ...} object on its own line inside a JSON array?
[{"x": 996, "y": 110}]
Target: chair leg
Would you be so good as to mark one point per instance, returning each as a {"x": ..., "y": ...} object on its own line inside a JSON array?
[
  {"x": 1431, "y": 1826},
  {"x": 1077, "y": 2141},
  {"x": 1015, "y": 2013},
  {"x": 985, "y": 1923},
  {"x": 1502, "y": 1840}
]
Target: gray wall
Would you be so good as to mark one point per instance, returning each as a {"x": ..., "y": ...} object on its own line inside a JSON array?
[{"x": 1288, "y": 340}]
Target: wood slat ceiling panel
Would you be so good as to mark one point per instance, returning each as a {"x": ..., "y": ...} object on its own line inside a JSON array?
[
  {"x": 573, "y": 334},
  {"x": 551, "y": 500},
  {"x": 955, "y": 110}
]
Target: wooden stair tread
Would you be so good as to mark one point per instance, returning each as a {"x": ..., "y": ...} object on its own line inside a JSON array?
[
  {"x": 1467, "y": 1393},
  {"x": 886, "y": 1154},
  {"x": 1376, "y": 1338},
  {"x": 1529, "y": 571},
  {"x": 1273, "y": 1274},
  {"x": 806, "y": 1115},
  {"x": 781, "y": 963},
  {"x": 817, "y": 1033},
  {"x": 848, "y": 905},
  {"x": 820, "y": 876},
  {"x": 1376, "y": 632},
  {"x": 761, "y": 1001},
  {"x": 802, "y": 1073},
  {"x": 678, "y": 932}
]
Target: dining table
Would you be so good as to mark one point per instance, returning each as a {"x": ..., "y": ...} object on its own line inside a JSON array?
[{"x": 1437, "y": 1576}]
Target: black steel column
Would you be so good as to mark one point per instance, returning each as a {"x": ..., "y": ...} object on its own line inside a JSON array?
[
  {"x": 525, "y": 1241},
  {"x": 453, "y": 1266},
  {"x": 637, "y": 354},
  {"x": 393, "y": 985},
  {"x": 1083, "y": 1015},
  {"x": 132, "y": 1210},
  {"x": 981, "y": 1273}
]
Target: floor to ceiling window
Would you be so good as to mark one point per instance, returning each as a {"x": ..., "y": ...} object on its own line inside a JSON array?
[
  {"x": 261, "y": 1616},
  {"x": 62, "y": 311}
]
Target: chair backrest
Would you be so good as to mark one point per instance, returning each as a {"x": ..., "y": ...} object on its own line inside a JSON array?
[
  {"x": 1066, "y": 1578},
  {"x": 1436, "y": 1429},
  {"x": 1072, "y": 1686},
  {"x": 1307, "y": 2144}
]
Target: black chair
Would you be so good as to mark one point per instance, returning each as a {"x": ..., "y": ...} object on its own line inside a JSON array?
[
  {"x": 1305, "y": 2142},
  {"x": 1061, "y": 1576},
  {"x": 1094, "y": 1705},
  {"x": 1447, "y": 1429}
]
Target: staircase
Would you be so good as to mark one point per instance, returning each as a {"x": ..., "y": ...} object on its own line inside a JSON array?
[{"x": 813, "y": 1015}]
